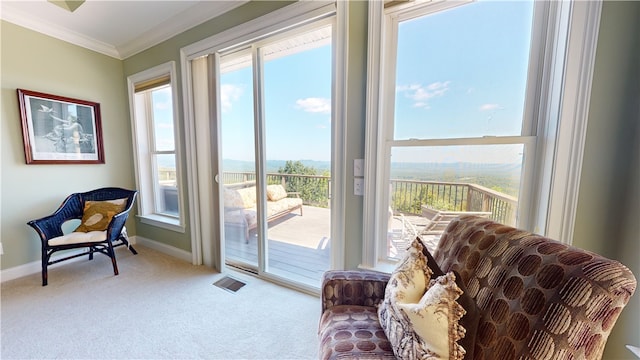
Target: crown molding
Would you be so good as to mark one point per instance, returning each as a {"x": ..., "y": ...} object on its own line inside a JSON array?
[
  {"x": 20, "y": 18},
  {"x": 186, "y": 20}
]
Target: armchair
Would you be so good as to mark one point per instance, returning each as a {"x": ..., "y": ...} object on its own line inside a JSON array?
[{"x": 103, "y": 213}]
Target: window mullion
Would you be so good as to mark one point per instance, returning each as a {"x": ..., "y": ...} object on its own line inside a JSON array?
[{"x": 260, "y": 152}]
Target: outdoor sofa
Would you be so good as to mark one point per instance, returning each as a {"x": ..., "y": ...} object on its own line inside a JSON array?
[{"x": 240, "y": 210}]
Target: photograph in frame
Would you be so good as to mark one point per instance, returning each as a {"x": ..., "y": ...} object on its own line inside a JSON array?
[{"x": 60, "y": 130}]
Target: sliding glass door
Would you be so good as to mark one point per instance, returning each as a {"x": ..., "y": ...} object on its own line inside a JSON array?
[
  {"x": 237, "y": 146},
  {"x": 275, "y": 145}
]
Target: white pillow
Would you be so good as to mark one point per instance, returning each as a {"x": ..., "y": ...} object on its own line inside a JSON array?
[
  {"x": 420, "y": 316},
  {"x": 435, "y": 319}
]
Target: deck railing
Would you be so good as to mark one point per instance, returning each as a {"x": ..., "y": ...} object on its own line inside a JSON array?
[
  {"x": 315, "y": 190},
  {"x": 407, "y": 196}
]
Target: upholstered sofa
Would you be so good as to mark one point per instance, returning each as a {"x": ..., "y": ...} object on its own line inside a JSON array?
[
  {"x": 531, "y": 298},
  {"x": 240, "y": 206}
]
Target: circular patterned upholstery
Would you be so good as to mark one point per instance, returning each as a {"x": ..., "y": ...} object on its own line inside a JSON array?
[
  {"x": 353, "y": 332},
  {"x": 353, "y": 287},
  {"x": 539, "y": 298}
]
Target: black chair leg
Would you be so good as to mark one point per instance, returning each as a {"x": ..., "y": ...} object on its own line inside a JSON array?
[
  {"x": 132, "y": 249},
  {"x": 45, "y": 260},
  {"x": 126, "y": 243},
  {"x": 112, "y": 255}
]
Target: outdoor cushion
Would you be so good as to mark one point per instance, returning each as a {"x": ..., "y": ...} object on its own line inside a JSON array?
[
  {"x": 248, "y": 196},
  {"x": 232, "y": 199},
  {"x": 275, "y": 207},
  {"x": 276, "y": 192}
]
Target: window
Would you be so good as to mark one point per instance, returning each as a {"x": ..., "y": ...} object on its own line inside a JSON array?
[
  {"x": 459, "y": 116},
  {"x": 158, "y": 176}
]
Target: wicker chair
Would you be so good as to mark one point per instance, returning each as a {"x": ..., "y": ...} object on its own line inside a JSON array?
[{"x": 53, "y": 239}]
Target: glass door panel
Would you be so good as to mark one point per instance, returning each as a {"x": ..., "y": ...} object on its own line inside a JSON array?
[
  {"x": 297, "y": 94},
  {"x": 237, "y": 145}
]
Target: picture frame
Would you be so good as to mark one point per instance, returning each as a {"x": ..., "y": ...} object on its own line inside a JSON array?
[{"x": 60, "y": 130}]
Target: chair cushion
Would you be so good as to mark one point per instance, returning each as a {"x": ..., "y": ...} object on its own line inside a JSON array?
[
  {"x": 98, "y": 214},
  {"x": 78, "y": 237},
  {"x": 353, "y": 332}
]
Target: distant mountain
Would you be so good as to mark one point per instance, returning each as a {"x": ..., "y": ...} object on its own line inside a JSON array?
[
  {"x": 434, "y": 171},
  {"x": 272, "y": 165}
]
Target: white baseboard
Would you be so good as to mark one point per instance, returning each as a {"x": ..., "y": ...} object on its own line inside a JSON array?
[
  {"x": 36, "y": 267},
  {"x": 163, "y": 248}
]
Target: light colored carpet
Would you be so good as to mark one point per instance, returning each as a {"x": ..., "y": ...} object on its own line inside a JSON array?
[{"x": 157, "y": 308}]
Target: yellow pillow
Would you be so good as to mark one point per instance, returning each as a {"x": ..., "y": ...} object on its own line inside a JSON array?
[
  {"x": 98, "y": 214},
  {"x": 276, "y": 192}
]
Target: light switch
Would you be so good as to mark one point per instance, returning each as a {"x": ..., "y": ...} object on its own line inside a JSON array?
[
  {"x": 358, "y": 167},
  {"x": 358, "y": 186}
]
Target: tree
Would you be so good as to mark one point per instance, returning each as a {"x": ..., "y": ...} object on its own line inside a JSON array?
[{"x": 313, "y": 189}]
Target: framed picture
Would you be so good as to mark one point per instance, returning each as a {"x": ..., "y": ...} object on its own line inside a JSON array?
[{"x": 60, "y": 130}]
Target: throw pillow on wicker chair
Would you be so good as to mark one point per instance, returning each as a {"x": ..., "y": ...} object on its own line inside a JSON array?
[{"x": 98, "y": 214}]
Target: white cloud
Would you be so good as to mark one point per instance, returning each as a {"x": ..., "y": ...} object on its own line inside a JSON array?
[
  {"x": 229, "y": 93},
  {"x": 163, "y": 105},
  {"x": 314, "y": 105},
  {"x": 490, "y": 107},
  {"x": 420, "y": 94}
]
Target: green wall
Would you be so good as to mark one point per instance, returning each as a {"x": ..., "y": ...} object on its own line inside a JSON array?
[
  {"x": 608, "y": 214},
  {"x": 355, "y": 128},
  {"x": 170, "y": 51},
  {"x": 37, "y": 62}
]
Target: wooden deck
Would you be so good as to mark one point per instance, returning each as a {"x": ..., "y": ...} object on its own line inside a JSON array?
[{"x": 299, "y": 247}]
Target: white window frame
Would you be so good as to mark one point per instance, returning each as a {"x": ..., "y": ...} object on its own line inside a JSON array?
[
  {"x": 564, "y": 39},
  {"x": 143, "y": 151}
]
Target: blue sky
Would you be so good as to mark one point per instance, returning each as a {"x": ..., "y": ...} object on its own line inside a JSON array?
[
  {"x": 461, "y": 73},
  {"x": 297, "y": 108}
]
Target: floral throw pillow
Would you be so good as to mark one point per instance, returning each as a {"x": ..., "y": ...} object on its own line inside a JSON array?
[
  {"x": 98, "y": 214},
  {"x": 420, "y": 316},
  {"x": 435, "y": 319}
]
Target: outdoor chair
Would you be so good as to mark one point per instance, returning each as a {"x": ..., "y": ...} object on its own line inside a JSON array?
[
  {"x": 102, "y": 212},
  {"x": 440, "y": 219}
]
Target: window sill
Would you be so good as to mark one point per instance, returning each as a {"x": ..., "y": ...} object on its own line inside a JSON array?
[
  {"x": 386, "y": 267},
  {"x": 162, "y": 222}
]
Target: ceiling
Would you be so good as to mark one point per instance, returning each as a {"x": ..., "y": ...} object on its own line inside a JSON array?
[{"x": 115, "y": 28}]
